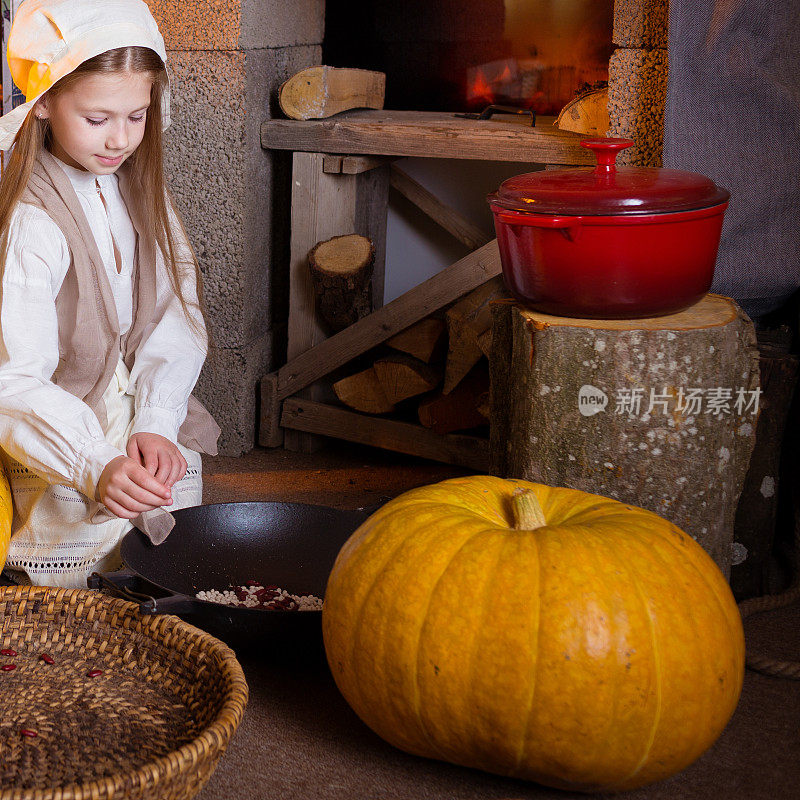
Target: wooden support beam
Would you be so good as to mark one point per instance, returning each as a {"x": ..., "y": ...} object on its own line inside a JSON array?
[
  {"x": 354, "y": 165},
  {"x": 402, "y": 437},
  {"x": 429, "y": 135},
  {"x": 324, "y": 206},
  {"x": 427, "y": 202}
]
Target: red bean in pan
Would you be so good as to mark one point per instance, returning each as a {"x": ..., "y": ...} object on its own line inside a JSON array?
[
  {"x": 8, "y": 667},
  {"x": 93, "y": 673},
  {"x": 7, "y": 651},
  {"x": 27, "y": 732},
  {"x": 47, "y": 659}
]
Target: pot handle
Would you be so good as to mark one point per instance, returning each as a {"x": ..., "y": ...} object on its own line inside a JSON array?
[
  {"x": 125, "y": 584},
  {"x": 570, "y": 227}
]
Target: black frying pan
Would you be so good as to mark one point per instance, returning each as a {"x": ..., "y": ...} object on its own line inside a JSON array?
[{"x": 290, "y": 545}]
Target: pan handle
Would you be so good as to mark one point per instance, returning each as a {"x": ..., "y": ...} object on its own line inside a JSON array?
[{"x": 120, "y": 584}]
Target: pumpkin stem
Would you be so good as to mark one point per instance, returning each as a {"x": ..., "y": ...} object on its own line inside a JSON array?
[{"x": 528, "y": 514}]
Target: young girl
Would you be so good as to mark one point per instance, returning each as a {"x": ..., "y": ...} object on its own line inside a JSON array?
[{"x": 101, "y": 333}]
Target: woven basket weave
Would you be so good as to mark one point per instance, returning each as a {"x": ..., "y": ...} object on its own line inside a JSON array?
[{"x": 152, "y": 725}]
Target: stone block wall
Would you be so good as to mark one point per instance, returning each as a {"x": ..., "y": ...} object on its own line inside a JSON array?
[
  {"x": 227, "y": 59},
  {"x": 637, "y": 79}
]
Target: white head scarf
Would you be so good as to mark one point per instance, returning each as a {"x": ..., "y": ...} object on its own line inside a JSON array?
[{"x": 51, "y": 38}]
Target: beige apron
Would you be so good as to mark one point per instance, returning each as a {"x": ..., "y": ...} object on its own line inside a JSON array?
[{"x": 54, "y": 540}]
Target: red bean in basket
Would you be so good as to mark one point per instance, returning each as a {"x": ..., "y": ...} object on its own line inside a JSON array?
[
  {"x": 27, "y": 732},
  {"x": 8, "y": 667},
  {"x": 7, "y": 651},
  {"x": 93, "y": 673},
  {"x": 47, "y": 658}
]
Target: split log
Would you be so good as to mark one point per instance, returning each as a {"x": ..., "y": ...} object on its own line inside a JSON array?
[
  {"x": 423, "y": 340},
  {"x": 660, "y": 413},
  {"x": 467, "y": 321},
  {"x": 459, "y": 410},
  {"x": 587, "y": 113},
  {"x": 363, "y": 392},
  {"x": 341, "y": 271},
  {"x": 319, "y": 92},
  {"x": 403, "y": 376}
]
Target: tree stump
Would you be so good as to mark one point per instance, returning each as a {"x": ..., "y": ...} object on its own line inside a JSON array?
[
  {"x": 660, "y": 413},
  {"x": 341, "y": 270}
]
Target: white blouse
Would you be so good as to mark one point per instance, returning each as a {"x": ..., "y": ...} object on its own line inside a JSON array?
[{"x": 44, "y": 427}]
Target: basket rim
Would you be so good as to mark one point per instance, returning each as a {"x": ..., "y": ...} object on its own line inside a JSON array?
[{"x": 213, "y": 739}]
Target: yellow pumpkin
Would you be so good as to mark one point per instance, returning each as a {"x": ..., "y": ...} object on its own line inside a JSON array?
[
  {"x": 6, "y": 514},
  {"x": 536, "y": 632}
]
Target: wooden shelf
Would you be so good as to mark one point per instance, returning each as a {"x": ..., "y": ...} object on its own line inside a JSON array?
[
  {"x": 341, "y": 173},
  {"x": 429, "y": 135}
]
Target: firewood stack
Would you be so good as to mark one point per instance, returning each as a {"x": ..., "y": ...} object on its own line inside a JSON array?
[{"x": 437, "y": 368}]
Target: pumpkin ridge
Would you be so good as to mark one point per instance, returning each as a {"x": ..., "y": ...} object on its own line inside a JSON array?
[
  {"x": 355, "y": 685},
  {"x": 734, "y": 620},
  {"x": 588, "y": 547},
  {"x": 534, "y": 544},
  {"x": 366, "y": 602},
  {"x": 636, "y": 580},
  {"x": 687, "y": 559},
  {"x": 457, "y": 505},
  {"x": 424, "y": 617},
  {"x": 594, "y": 544}
]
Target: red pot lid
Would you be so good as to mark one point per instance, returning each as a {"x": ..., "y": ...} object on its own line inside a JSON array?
[{"x": 606, "y": 189}]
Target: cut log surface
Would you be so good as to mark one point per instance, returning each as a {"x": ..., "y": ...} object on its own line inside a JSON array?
[
  {"x": 363, "y": 392},
  {"x": 660, "y": 413},
  {"x": 587, "y": 114},
  {"x": 319, "y": 92},
  {"x": 422, "y": 340},
  {"x": 341, "y": 270},
  {"x": 403, "y": 376},
  {"x": 467, "y": 323}
]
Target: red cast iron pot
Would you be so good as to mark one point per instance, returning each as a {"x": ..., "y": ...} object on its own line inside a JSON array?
[{"x": 609, "y": 242}]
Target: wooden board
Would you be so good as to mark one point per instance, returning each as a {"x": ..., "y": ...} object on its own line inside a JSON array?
[
  {"x": 449, "y": 219},
  {"x": 429, "y": 135},
  {"x": 402, "y": 437},
  {"x": 325, "y": 205}
]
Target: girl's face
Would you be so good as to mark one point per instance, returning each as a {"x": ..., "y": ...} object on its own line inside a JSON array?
[{"x": 98, "y": 122}]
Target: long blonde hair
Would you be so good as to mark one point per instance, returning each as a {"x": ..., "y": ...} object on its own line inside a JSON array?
[{"x": 146, "y": 164}]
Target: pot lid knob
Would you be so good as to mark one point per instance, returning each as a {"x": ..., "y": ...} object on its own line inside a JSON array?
[{"x": 605, "y": 151}]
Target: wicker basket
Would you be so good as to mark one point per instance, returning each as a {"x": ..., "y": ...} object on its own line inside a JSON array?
[{"x": 121, "y": 706}]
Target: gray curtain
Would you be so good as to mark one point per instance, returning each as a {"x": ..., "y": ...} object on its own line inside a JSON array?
[{"x": 733, "y": 114}]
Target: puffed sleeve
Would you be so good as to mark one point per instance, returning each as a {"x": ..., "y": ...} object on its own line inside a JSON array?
[
  {"x": 170, "y": 356},
  {"x": 44, "y": 427}
]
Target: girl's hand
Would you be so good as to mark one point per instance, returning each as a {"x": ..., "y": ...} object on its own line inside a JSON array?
[
  {"x": 127, "y": 489},
  {"x": 159, "y": 456}
]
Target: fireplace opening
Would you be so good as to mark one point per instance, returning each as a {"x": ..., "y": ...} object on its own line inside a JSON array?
[{"x": 462, "y": 56}]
